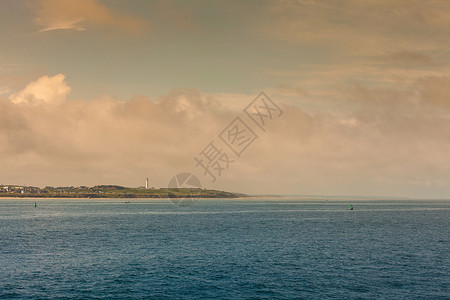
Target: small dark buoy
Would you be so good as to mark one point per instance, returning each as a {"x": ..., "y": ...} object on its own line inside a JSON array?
[{"x": 351, "y": 207}]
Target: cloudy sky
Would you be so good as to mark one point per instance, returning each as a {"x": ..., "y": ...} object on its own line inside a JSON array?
[{"x": 111, "y": 92}]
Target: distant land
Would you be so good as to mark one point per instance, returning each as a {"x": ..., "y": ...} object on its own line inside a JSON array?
[{"x": 110, "y": 191}]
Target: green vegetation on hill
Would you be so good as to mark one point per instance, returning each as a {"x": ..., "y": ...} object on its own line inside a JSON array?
[{"x": 110, "y": 191}]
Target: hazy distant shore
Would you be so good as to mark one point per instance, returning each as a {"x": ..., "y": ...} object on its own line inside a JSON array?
[
  {"x": 113, "y": 197},
  {"x": 110, "y": 191}
]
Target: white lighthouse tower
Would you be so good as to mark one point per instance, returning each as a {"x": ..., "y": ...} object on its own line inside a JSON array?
[{"x": 146, "y": 184}]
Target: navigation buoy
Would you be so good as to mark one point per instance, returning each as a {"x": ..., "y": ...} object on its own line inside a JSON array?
[
  {"x": 351, "y": 207},
  {"x": 34, "y": 204}
]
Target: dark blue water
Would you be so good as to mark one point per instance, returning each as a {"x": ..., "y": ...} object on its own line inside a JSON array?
[{"x": 274, "y": 249}]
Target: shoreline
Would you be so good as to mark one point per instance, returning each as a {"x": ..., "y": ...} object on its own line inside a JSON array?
[
  {"x": 112, "y": 198},
  {"x": 119, "y": 197},
  {"x": 111, "y": 191}
]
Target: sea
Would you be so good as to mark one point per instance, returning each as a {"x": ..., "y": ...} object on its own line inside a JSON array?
[{"x": 246, "y": 248}]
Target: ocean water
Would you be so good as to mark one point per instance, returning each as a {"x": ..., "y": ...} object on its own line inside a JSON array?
[{"x": 261, "y": 248}]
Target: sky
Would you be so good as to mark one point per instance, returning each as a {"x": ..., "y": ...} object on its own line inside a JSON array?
[{"x": 112, "y": 92}]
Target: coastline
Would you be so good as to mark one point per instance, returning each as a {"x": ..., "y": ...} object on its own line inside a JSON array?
[{"x": 110, "y": 191}]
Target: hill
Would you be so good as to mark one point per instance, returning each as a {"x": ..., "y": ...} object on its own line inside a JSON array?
[{"x": 109, "y": 191}]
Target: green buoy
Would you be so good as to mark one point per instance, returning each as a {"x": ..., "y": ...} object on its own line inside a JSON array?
[
  {"x": 34, "y": 204},
  {"x": 351, "y": 207}
]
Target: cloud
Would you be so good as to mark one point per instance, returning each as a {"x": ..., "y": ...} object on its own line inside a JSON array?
[
  {"x": 50, "y": 90},
  {"x": 104, "y": 140},
  {"x": 384, "y": 141},
  {"x": 81, "y": 14},
  {"x": 434, "y": 91},
  {"x": 360, "y": 27},
  {"x": 417, "y": 98},
  {"x": 406, "y": 58},
  {"x": 4, "y": 90}
]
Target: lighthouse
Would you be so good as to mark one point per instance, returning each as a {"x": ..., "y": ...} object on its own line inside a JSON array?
[{"x": 146, "y": 184}]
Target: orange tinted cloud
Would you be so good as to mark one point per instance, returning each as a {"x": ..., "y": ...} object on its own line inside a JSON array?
[
  {"x": 360, "y": 27},
  {"x": 391, "y": 141},
  {"x": 44, "y": 90},
  {"x": 81, "y": 14}
]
